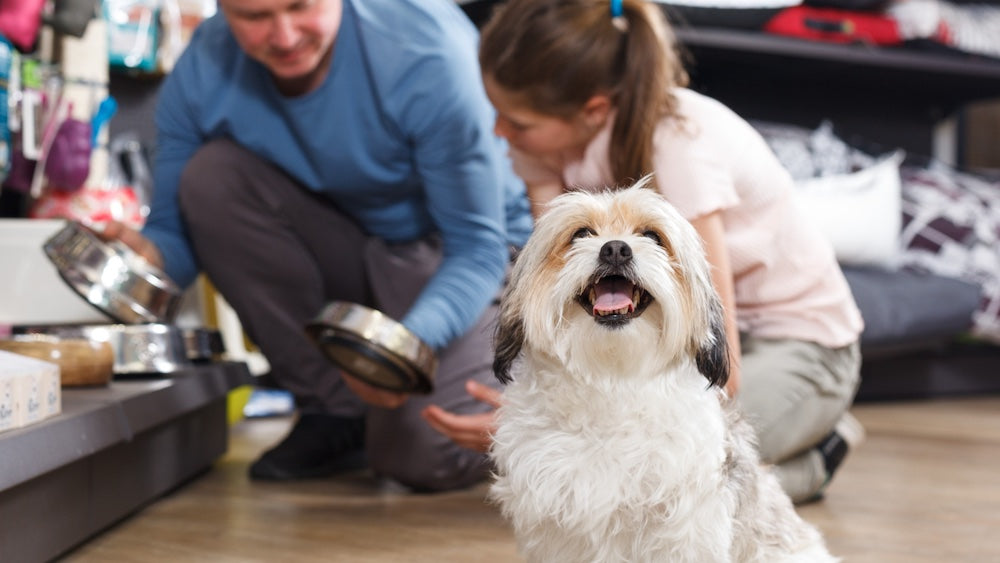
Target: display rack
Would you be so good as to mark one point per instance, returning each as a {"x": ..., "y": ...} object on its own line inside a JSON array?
[{"x": 889, "y": 96}]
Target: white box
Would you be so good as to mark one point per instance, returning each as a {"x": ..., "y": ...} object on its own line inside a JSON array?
[
  {"x": 10, "y": 415},
  {"x": 31, "y": 397},
  {"x": 26, "y": 390},
  {"x": 52, "y": 394}
]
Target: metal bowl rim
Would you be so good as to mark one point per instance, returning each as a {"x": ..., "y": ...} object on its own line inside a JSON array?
[
  {"x": 114, "y": 305},
  {"x": 336, "y": 317},
  {"x": 119, "y": 305},
  {"x": 418, "y": 380}
]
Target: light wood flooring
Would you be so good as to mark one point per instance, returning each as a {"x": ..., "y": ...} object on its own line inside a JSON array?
[{"x": 924, "y": 487}]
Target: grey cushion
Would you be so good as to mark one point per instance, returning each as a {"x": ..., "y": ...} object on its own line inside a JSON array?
[{"x": 905, "y": 310}]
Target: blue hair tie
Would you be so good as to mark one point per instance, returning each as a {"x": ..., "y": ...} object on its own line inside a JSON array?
[
  {"x": 618, "y": 16},
  {"x": 616, "y": 8}
]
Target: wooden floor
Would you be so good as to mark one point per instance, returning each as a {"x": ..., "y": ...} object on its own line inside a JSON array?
[{"x": 924, "y": 487}]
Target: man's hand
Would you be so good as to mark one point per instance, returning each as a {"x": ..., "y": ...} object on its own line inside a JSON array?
[
  {"x": 373, "y": 395},
  {"x": 472, "y": 431},
  {"x": 131, "y": 238}
]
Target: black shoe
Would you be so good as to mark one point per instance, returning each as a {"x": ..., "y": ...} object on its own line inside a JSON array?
[
  {"x": 319, "y": 445},
  {"x": 846, "y": 436}
]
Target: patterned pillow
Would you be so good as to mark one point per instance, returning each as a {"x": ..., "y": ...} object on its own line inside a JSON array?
[
  {"x": 951, "y": 227},
  {"x": 950, "y": 220}
]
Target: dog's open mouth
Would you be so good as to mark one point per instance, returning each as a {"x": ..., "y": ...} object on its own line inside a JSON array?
[{"x": 614, "y": 300}]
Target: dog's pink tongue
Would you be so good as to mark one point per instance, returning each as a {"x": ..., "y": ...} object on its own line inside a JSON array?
[{"x": 613, "y": 294}]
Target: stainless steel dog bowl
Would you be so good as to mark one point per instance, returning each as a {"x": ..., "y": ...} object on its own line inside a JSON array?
[
  {"x": 203, "y": 344},
  {"x": 371, "y": 346},
  {"x": 137, "y": 348},
  {"x": 113, "y": 277}
]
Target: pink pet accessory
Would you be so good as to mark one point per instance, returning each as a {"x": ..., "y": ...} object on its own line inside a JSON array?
[
  {"x": 67, "y": 164},
  {"x": 20, "y": 21}
]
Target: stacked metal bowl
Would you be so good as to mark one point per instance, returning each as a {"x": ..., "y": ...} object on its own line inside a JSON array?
[
  {"x": 140, "y": 298},
  {"x": 113, "y": 277}
]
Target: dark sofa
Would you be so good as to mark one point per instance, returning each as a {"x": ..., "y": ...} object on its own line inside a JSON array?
[{"x": 914, "y": 344}]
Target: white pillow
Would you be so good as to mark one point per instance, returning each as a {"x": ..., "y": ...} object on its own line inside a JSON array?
[{"x": 860, "y": 213}]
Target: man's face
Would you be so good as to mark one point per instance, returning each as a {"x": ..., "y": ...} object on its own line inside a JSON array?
[{"x": 292, "y": 38}]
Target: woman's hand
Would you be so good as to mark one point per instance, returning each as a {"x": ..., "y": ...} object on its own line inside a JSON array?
[
  {"x": 373, "y": 395},
  {"x": 472, "y": 431},
  {"x": 131, "y": 238}
]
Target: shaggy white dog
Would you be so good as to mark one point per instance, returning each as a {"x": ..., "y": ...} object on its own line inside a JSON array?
[{"x": 615, "y": 442}]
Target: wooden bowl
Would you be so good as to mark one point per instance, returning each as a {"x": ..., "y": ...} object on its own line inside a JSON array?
[{"x": 81, "y": 362}]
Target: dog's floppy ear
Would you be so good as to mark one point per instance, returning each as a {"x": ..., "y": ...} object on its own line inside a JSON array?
[
  {"x": 507, "y": 343},
  {"x": 712, "y": 357}
]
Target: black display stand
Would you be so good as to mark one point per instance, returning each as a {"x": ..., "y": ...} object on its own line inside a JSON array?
[
  {"x": 889, "y": 96},
  {"x": 112, "y": 450}
]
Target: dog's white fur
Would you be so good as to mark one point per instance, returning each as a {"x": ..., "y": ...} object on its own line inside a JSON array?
[{"x": 611, "y": 445}]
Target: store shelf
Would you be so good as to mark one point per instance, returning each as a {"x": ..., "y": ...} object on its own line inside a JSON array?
[
  {"x": 908, "y": 97},
  {"x": 930, "y": 63},
  {"x": 934, "y": 77},
  {"x": 111, "y": 450}
]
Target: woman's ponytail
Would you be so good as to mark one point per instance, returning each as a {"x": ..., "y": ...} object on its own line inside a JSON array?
[{"x": 651, "y": 69}]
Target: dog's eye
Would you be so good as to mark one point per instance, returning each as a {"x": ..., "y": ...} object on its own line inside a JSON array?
[
  {"x": 654, "y": 236},
  {"x": 583, "y": 232}
]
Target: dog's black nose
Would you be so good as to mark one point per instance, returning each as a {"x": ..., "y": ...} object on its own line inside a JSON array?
[{"x": 616, "y": 253}]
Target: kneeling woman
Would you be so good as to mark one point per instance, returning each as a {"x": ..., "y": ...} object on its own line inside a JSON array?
[{"x": 591, "y": 93}]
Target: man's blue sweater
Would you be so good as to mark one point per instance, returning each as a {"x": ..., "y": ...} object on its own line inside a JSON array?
[{"x": 399, "y": 137}]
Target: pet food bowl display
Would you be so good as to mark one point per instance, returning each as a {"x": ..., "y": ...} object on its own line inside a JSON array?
[
  {"x": 151, "y": 348},
  {"x": 113, "y": 277},
  {"x": 373, "y": 347}
]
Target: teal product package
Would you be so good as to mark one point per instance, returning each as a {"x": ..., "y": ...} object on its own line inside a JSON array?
[
  {"x": 6, "y": 61},
  {"x": 133, "y": 34}
]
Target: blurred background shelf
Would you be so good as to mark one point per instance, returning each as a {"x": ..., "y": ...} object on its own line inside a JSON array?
[{"x": 909, "y": 97}]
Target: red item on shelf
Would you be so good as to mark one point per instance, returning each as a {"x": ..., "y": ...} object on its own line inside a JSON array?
[
  {"x": 835, "y": 26},
  {"x": 97, "y": 205}
]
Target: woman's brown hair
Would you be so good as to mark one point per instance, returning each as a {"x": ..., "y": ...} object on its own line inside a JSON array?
[{"x": 557, "y": 54}]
